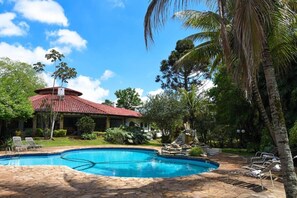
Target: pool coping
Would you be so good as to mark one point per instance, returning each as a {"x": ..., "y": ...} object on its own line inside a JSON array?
[{"x": 111, "y": 147}]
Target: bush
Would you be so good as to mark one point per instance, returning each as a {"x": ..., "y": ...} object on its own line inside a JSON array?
[
  {"x": 116, "y": 136},
  {"x": 28, "y": 132},
  {"x": 86, "y": 124},
  {"x": 127, "y": 135},
  {"x": 293, "y": 135},
  {"x": 60, "y": 133},
  {"x": 88, "y": 136},
  {"x": 196, "y": 151},
  {"x": 18, "y": 133},
  {"x": 39, "y": 132}
]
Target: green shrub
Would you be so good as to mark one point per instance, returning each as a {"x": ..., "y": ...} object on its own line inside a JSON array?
[
  {"x": 60, "y": 133},
  {"x": 39, "y": 132},
  {"x": 46, "y": 133},
  {"x": 127, "y": 135},
  {"x": 18, "y": 133},
  {"x": 196, "y": 151},
  {"x": 116, "y": 136},
  {"x": 86, "y": 124},
  {"x": 293, "y": 135},
  {"x": 28, "y": 132},
  {"x": 88, "y": 136}
]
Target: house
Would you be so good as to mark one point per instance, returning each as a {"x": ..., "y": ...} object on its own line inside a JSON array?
[{"x": 71, "y": 107}]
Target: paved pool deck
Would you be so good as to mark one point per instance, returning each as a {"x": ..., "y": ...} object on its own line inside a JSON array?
[{"x": 60, "y": 181}]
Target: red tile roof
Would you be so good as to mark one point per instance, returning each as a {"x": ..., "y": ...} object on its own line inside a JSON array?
[{"x": 75, "y": 104}]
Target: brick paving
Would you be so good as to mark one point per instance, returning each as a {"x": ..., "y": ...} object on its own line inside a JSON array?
[{"x": 61, "y": 181}]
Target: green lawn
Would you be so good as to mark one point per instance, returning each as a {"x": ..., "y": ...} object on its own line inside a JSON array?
[
  {"x": 76, "y": 141},
  {"x": 238, "y": 151}
]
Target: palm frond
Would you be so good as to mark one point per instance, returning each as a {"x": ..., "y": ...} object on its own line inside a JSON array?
[
  {"x": 197, "y": 19},
  {"x": 202, "y": 36}
]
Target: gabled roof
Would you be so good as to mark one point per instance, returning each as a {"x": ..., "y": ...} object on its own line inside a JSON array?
[{"x": 72, "y": 103}]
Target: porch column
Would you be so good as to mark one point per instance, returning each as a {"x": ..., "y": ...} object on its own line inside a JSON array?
[
  {"x": 107, "y": 122},
  {"x": 34, "y": 124},
  {"x": 61, "y": 121}
]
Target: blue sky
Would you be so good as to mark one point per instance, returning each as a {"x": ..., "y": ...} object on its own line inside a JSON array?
[{"x": 102, "y": 39}]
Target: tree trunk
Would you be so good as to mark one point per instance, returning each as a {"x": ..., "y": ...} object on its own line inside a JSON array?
[
  {"x": 279, "y": 126},
  {"x": 261, "y": 107},
  {"x": 224, "y": 35}
]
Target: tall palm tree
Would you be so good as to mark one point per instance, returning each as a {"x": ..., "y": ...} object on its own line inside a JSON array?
[
  {"x": 209, "y": 23},
  {"x": 252, "y": 22}
]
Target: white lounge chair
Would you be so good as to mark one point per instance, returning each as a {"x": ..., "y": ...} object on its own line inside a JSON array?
[
  {"x": 31, "y": 143},
  {"x": 261, "y": 157},
  {"x": 260, "y": 171},
  {"x": 17, "y": 144}
]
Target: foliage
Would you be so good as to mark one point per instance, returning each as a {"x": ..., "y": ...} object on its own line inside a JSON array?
[
  {"x": 116, "y": 136},
  {"x": 86, "y": 124},
  {"x": 18, "y": 82},
  {"x": 108, "y": 102},
  {"x": 166, "y": 111},
  {"x": 175, "y": 76},
  {"x": 127, "y": 135},
  {"x": 39, "y": 132},
  {"x": 18, "y": 133},
  {"x": 293, "y": 135},
  {"x": 136, "y": 135},
  {"x": 88, "y": 136},
  {"x": 128, "y": 98},
  {"x": 28, "y": 132},
  {"x": 60, "y": 133},
  {"x": 62, "y": 72},
  {"x": 196, "y": 151}
]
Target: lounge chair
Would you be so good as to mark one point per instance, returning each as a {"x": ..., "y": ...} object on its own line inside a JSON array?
[
  {"x": 17, "y": 144},
  {"x": 31, "y": 143},
  {"x": 261, "y": 157},
  {"x": 260, "y": 171}
]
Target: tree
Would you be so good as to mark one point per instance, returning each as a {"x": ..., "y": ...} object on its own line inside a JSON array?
[
  {"x": 128, "y": 98},
  {"x": 253, "y": 21},
  {"x": 175, "y": 76},
  {"x": 108, "y": 102},
  {"x": 62, "y": 72},
  {"x": 18, "y": 82},
  {"x": 166, "y": 111}
]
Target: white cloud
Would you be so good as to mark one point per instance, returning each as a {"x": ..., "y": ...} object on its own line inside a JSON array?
[
  {"x": 117, "y": 3},
  {"x": 89, "y": 87},
  {"x": 107, "y": 74},
  {"x": 1, "y": 1},
  {"x": 20, "y": 53},
  {"x": 155, "y": 92},
  {"x": 44, "y": 11},
  {"x": 66, "y": 40},
  {"x": 139, "y": 91},
  {"x": 48, "y": 79},
  {"x": 8, "y": 28}
]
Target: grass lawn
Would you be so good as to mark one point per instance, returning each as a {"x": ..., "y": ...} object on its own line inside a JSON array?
[
  {"x": 76, "y": 141},
  {"x": 238, "y": 151}
]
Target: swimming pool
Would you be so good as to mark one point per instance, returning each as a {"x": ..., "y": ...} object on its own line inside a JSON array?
[{"x": 120, "y": 162}]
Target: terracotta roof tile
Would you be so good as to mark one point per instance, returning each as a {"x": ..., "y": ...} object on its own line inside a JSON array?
[{"x": 75, "y": 104}]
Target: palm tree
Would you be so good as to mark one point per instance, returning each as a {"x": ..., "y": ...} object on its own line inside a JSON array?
[
  {"x": 252, "y": 22},
  {"x": 209, "y": 22}
]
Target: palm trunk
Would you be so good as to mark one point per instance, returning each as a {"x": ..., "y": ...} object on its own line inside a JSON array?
[
  {"x": 224, "y": 35},
  {"x": 261, "y": 107},
  {"x": 279, "y": 126}
]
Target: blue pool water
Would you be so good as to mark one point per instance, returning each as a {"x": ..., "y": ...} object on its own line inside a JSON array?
[{"x": 117, "y": 162}]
